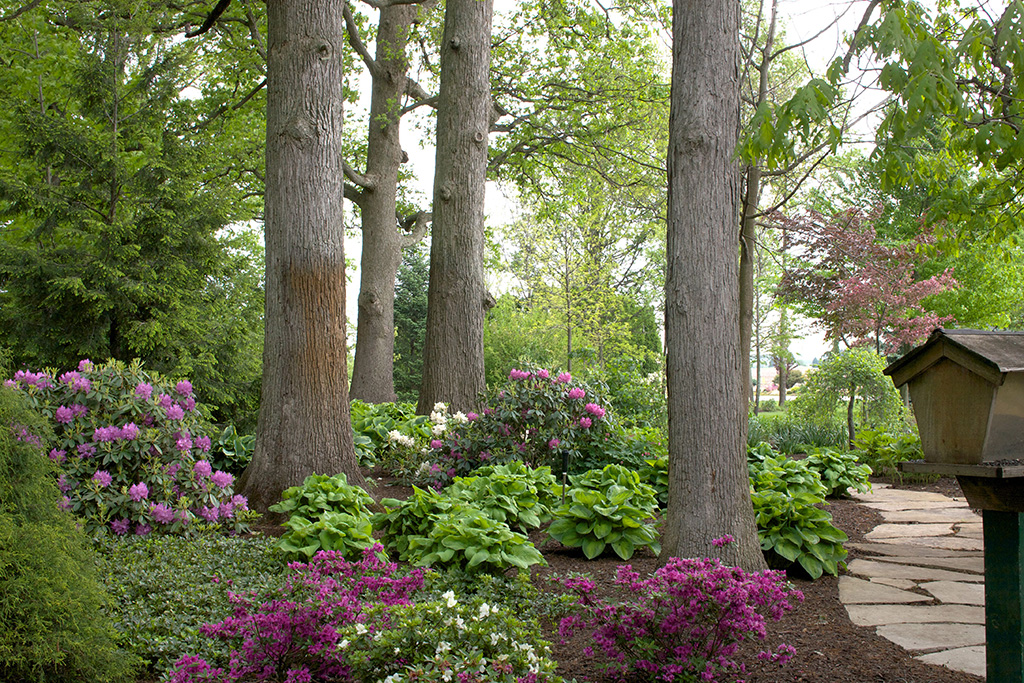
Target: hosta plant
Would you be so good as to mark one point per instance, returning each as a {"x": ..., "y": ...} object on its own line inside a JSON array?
[
  {"x": 514, "y": 494},
  {"x": 325, "y": 513},
  {"x": 607, "y": 507},
  {"x": 470, "y": 539},
  {"x": 655, "y": 473},
  {"x": 786, "y": 475},
  {"x": 839, "y": 472},
  {"x": 883, "y": 451},
  {"x": 794, "y": 530},
  {"x": 414, "y": 516},
  {"x": 132, "y": 449}
]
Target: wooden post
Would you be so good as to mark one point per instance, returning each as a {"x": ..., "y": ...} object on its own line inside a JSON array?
[{"x": 1004, "y": 590}]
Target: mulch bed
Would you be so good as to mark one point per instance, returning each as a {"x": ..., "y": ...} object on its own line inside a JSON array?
[{"x": 829, "y": 647}]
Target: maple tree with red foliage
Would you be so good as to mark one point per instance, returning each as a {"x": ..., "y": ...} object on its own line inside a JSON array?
[{"x": 860, "y": 288}]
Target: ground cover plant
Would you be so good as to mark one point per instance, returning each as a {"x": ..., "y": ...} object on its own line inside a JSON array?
[{"x": 132, "y": 448}]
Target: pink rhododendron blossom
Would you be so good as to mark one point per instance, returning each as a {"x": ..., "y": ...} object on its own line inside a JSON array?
[
  {"x": 222, "y": 479},
  {"x": 161, "y": 513},
  {"x": 130, "y": 431},
  {"x": 68, "y": 377},
  {"x": 594, "y": 409},
  {"x": 175, "y": 412},
  {"x": 585, "y": 422},
  {"x": 64, "y": 415},
  {"x": 85, "y": 365},
  {"x": 239, "y": 502},
  {"x": 202, "y": 468},
  {"x": 518, "y": 374},
  {"x": 184, "y": 387},
  {"x": 190, "y": 404},
  {"x": 144, "y": 390},
  {"x": 165, "y": 401},
  {"x": 142, "y": 529},
  {"x": 436, "y": 443},
  {"x": 576, "y": 393},
  {"x": 78, "y": 410},
  {"x": 120, "y": 526},
  {"x": 65, "y": 503},
  {"x": 86, "y": 450},
  {"x": 203, "y": 443},
  {"x": 471, "y": 416},
  {"x": 10, "y": 384},
  {"x": 553, "y": 444},
  {"x": 82, "y": 384},
  {"x": 210, "y": 514},
  {"x": 184, "y": 443},
  {"x": 103, "y": 478},
  {"x": 138, "y": 492},
  {"x": 57, "y": 455},
  {"x": 543, "y": 374},
  {"x": 564, "y": 378}
]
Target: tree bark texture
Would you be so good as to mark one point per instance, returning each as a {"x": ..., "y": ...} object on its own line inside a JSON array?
[
  {"x": 453, "y": 354},
  {"x": 304, "y": 425},
  {"x": 373, "y": 371},
  {"x": 709, "y": 491}
]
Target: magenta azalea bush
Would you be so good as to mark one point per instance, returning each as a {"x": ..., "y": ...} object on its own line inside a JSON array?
[
  {"x": 684, "y": 623},
  {"x": 535, "y": 418},
  {"x": 132, "y": 449}
]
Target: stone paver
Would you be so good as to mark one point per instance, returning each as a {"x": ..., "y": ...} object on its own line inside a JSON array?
[
  {"x": 968, "y": 659},
  {"x": 933, "y": 637},
  {"x": 902, "y": 531},
  {"x": 879, "y": 615},
  {"x": 920, "y": 580},
  {"x": 956, "y": 592}
]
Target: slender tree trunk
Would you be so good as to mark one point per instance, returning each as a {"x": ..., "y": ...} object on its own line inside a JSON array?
[
  {"x": 304, "y": 423},
  {"x": 373, "y": 370},
  {"x": 709, "y": 490},
  {"x": 849, "y": 415},
  {"x": 453, "y": 354}
]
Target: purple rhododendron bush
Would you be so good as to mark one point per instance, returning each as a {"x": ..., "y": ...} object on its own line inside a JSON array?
[
  {"x": 132, "y": 449},
  {"x": 686, "y": 622}
]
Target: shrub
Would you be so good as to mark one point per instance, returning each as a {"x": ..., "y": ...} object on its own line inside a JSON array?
[
  {"x": 608, "y": 507},
  {"x": 377, "y": 427},
  {"x": 325, "y": 513},
  {"x": 446, "y": 640},
  {"x": 131, "y": 451},
  {"x": 839, "y": 472},
  {"x": 685, "y": 622},
  {"x": 165, "y": 588},
  {"x": 232, "y": 451},
  {"x": 53, "y": 624},
  {"x": 293, "y": 633},
  {"x": 534, "y": 418},
  {"x": 883, "y": 451}
]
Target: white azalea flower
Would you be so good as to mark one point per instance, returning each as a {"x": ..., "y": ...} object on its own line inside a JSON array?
[
  {"x": 438, "y": 430},
  {"x": 485, "y": 610},
  {"x": 360, "y": 629},
  {"x": 460, "y": 418},
  {"x": 450, "y": 598},
  {"x": 443, "y": 647}
]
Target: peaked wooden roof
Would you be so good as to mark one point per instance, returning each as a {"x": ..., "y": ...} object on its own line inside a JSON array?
[{"x": 990, "y": 354}]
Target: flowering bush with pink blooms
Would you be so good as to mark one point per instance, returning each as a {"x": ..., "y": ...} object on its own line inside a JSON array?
[
  {"x": 132, "y": 449},
  {"x": 535, "y": 418},
  {"x": 684, "y": 623}
]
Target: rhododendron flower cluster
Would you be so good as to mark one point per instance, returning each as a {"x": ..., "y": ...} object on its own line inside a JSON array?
[
  {"x": 131, "y": 450},
  {"x": 535, "y": 418},
  {"x": 686, "y": 622}
]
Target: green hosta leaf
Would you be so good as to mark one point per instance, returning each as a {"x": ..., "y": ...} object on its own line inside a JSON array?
[
  {"x": 593, "y": 547},
  {"x": 812, "y": 565},
  {"x": 601, "y": 529},
  {"x": 787, "y": 549},
  {"x": 478, "y": 557},
  {"x": 623, "y": 548}
]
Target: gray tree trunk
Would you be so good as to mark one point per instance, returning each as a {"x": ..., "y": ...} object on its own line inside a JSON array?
[
  {"x": 709, "y": 494},
  {"x": 304, "y": 423},
  {"x": 453, "y": 353},
  {"x": 373, "y": 370}
]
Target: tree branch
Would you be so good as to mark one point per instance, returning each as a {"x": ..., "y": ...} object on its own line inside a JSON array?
[
  {"x": 210, "y": 20},
  {"x": 354, "y": 195},
  {"x": 357, "y": 42},
  {"x": 414, "y": 228},
  {"x": 364, "y": 181},
  {"x": 224, "y": 108},
  {"x": 21, "y": 10}
]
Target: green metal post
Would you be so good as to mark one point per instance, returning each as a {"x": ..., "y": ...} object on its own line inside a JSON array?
[{"x": 1004, "y": 595}]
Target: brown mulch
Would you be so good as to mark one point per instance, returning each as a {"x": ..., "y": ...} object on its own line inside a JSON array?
[{"x": 829, "y": 647}]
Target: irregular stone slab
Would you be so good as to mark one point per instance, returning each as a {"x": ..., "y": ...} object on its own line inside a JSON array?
[
  {"x": 897, "y": 505},
  {"x": 909, "y": 531},
  {"x": 944, "y": 542},
  {"x": 887, "y": 495},
  {"x": 936, "y": 515},
  {"x": 891, "y": 570},
  {"x": 878, "y": 615},
  {"x": 904, "y": 584},
  {"x": 970, "y": 660},
  {"x": 854, "y": 591},
  {"x": 974, "y": 564},
  {"x": 956, "y": 592},
  {"x": 890, "y": 549},
  {"x": 931, "y": 637},
  {"x": 970, "y": 530}
]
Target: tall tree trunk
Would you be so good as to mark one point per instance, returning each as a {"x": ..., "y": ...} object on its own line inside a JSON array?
[
  {"x": 304, "y": 423},
  {"x": 373, "y": 370},
  {"x": 453, "y": 353},
  {"x": 709, "y": 491}
]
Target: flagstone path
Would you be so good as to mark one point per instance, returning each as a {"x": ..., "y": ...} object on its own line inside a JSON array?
[{"x": 920, "y": 578}]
